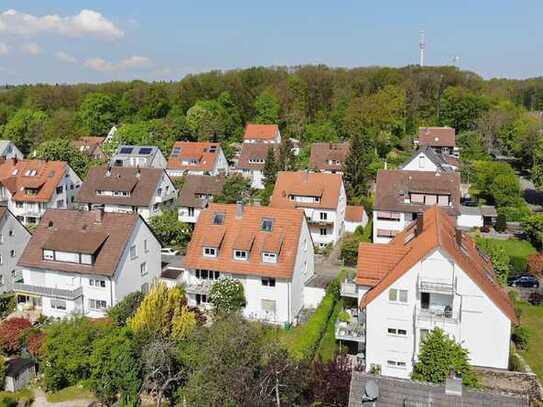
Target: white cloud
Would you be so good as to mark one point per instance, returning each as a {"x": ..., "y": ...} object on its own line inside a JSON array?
[
  {"x": 86, "y": 23},
  {"x": 65, "y": 57},
  {"x": 31, "y": 48},
  {"x": 101, "y": 65},
  {"x": 4, "y": 49}
]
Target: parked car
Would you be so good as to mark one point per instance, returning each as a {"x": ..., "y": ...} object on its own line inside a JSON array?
[
  {"x": 523, "y": 281},
  {"x": 169, "y": 251}
]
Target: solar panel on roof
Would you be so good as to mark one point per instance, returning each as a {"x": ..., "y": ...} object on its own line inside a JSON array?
[
  {"x": 126, "y": 150},
  {"x": 145, "y": 150}
]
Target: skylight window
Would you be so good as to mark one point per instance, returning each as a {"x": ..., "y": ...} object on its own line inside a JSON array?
[
  {"x": 267, "y": 225},
  {"x": 176, "y": 151},
  {"x": 218, "y": 219}
]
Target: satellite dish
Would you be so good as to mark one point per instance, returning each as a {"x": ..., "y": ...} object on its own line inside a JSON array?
[{"x": 371, "y": 391}]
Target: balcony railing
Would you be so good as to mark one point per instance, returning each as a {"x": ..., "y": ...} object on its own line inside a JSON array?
[
  {"x": 348, "y": 289},
  {"x": 350, "y": 331},
  {"x": 437, "y": 315},
  {"x": 199, "y": 287},
  {"x": 48, "y": 291},
  {"x": 436, "y": 287}
]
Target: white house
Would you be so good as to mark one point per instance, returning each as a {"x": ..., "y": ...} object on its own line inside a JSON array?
[
  {"x": 355, "y": 216},
  {"x": 29, "y": 187},
  {"x": 430, "y": 275},
  {"x": 13, "y": 239},
  {"x": 268, "y": 250},
  {"x": 138, "y": 156},
  {"x": 252, "y": 160},
  {"x": 426, "y": 159},
  {"x": 262, "y": 133},
  {"x": 197, "y": 193},
  {"x": 321, "y": 196},
  {"x": 84, "y": 262},
  {"x": 196, "y": 158},
  {"x": 401, "y": 195},
  {"x": 9, "y": 150},
  {"x": 328, "y": 157},
  {"x": 146, "y": 191}
]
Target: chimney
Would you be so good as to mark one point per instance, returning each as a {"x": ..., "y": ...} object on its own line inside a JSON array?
[
  {"x": 256, "y": 202},
  {"x": 108, "y": 172},
  {"x": 420, "y": 223},
  {"x": 99, "y": 212},
  {"x": 14, "y": 160},
  {"x": 306, "y": 176},
  {"x": 239, "y": 209},
  {"x": 458, "y": 236}
]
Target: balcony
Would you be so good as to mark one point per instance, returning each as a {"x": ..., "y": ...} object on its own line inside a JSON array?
[
  {"x": 199, "y": 287},
  {"x": 438, "y": 287},
  {"x": 436, "y": 315},
  {"x": 350, "y": 326},
  {"x": 47, "y": 291},
  {"x": 348, "y": 289}
]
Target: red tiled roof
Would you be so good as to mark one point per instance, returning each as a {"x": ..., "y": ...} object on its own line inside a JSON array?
[
  {"x": 48, "y": 174},
  {"x": 255, "y": 151},
  {"x": 246, "y": 231},
  {"x": 437, "y": 136},
  {"x": 325, "y": 186},
  {"x": 205, "y": 153},
  {"x": 387, "y": 263},
  {"x": 354, "y": 213},
  {"x": 260, "y": 131}
]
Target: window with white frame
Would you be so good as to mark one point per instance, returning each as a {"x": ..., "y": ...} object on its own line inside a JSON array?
[
  {"x": 11, "y": 233},
  {"x": 97, "y": 283},
  {"x": 267, "y": 225},
  {"x": 268, "y": 257},
  {"x": 143, "y": 268},
  {"x": 145, "y": 246},
  {"x": 58, "y": 304},
  {"x": 324, "y": 216},
  {"x": 191, "y": 211},
  {"x": 323, "y": 231},
  {"x": 97, "y": 304},
  {"x": 241, "y": 254},
  {"x": 396, "y": 295},
  {"x": 397, "y": 331},
  {"x": 12, "y": 253},
  {"x": 48, "y": 254},
  {"x": 396, "y": 364},
  {"x": 201, "y": 299},
  {"x": 133, "y": 251},
  {"x": 210, "y": 251},
  {"x": 207, "y": 274},
  {"x": 268, "y": 281}
]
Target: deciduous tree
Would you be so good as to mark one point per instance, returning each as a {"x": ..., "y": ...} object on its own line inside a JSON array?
[
  {"x": 227, "y": 295},
  {"x": 98, "y": 113}
]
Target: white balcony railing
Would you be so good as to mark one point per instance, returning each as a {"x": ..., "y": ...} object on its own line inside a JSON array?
[
  {"x": 439, "y": 315},
  {"x": 348, "y": 289},
  {"x": 48, "y": 291},
  {"x": 432, "y": 286}
]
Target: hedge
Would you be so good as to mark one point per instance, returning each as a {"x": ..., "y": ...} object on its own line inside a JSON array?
[{"x": 328, "y": 346}]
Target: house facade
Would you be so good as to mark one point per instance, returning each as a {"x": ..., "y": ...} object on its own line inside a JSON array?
[
  {"x": 426, "y": 159},
  {"x": 268, "y": 250},
  {"x": 84, "y": 262},
  {"x": 355, "y": 216},
  {"x": 29, "y": 187},
  {"x": 138, "y": 156},
  {"x": 402, "y": 194},
  {"x": 196, "y": 158},
  {"x": 13, "y": 239},
  {"x": 321, "y": 196},
  {"x": 197, "y": 193},
  {"x": 328, "y": 157},
  {"x": 146, "y": 191},
  {"x": 252, "y": 160},
  {"x": 9, "y": 150},
  {"x": 262, "y": 133},
  {"x": 429, "y": 276}
]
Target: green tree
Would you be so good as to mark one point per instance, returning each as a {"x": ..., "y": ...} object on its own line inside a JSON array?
[
  {"x": 267, "y": 108},
  {"x": 321, "y": 132},
  {"x": 236, "y": 188},
  {"x": 287, "y": 159},
  {"x": 461, "y": 108},
  {"x": 533, "y": 227},
  {"x": 115, "y": 369},
  {"x": 169, "y": 230},
  {"x": 438, "y": 355},
  {"x": 63, "y": 150},
  {"x": 499, "y": 257},
  {"x": 296, "y": 115},
  {"x": 98, "y": 113},
  {"x": 227, "y": 295},
  {"x": 537, "y": 166},
  {"x": 67, "y": 351},
  {"x": 270, "y": 167},
  {"x": 164, "y": 313},
  {"x": 26, "y": 129},
  {"x": 121, "y": 312},
  {"x": 207, "y": 119},
  {"x": 233, "y": 124},
  {"x": 64, "y": 124},
  {"x": 356, "y": 169}
]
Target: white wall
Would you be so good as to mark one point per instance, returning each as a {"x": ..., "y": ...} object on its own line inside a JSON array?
[
  {"x": 420, "y": 163},
  {"x": 470, "y": 221},
  {"x": 397, "y": 225},
  {"x": 17, "y": 242}
]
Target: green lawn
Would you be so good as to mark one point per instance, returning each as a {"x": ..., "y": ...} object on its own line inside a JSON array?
[
  {"x": 70, "y": 393},
  {"x": 532, "y": 319},
  {"x": 10, "y": 399},
  {"x": 518, "y": 250}
]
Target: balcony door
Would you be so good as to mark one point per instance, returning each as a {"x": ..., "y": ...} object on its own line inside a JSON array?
[{"x": 425, "y": 300}]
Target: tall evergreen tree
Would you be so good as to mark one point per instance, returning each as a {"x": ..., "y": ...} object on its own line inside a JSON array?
[
  {"x": 287, "y": 160},
  {"x": 356, "y": 169},
  {"x": 270, "y": 167}
]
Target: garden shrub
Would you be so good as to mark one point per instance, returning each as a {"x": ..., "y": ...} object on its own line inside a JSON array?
[
  {"x": 515, "y": 364},
  {"x": 520, "y": 337},
  {"x": 328, "y": 346},
  {"x": 535, "y": 298},
  {"x": 11, "y": 334},
  {"x": 535, "y": 263},
  {"x": 7, "y": 305}
]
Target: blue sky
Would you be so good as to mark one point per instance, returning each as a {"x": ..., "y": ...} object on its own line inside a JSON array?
[{"x": 75, "y": 41}]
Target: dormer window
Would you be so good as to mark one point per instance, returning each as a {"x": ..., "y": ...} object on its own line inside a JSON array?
[
  {"x": 218, "y": 219},
  {"x": 68, "y": 257},
  {"x": 267, "y": 225},
  {"x": 241, "y": 255},
  {"x": 268, "y": 257},
  {"x": 210, "y": 252}
]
